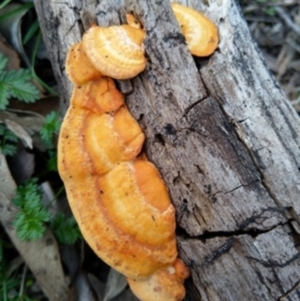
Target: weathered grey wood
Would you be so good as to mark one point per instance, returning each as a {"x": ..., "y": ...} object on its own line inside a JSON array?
[
  {"x": 244, "y": 267},
  {"x": 63, "y": 23},
  {"x": 223, "y": 136}
]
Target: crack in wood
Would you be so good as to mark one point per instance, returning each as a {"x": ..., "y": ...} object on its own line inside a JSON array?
[
  {"x": 77, "y": 21},
  {"x": 207, "y": 235},
  {"x": 242, "y": 120},
  {"x": 191, "y": 106},
  {"x": 263, "y": 281},
  {"x": 273, "y": 263},
  {"x": 223, "y": 249},
  {"x": 294, "y": 290},
  {"x": 233, "y": 189},
  {"x": 254, "y": 218},
  {"x": 254, "y": 160}
]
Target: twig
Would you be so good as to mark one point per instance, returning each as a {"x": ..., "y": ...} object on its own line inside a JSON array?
[
  {"x": 293, "y": 44},
  {"x": 287, "y": 20},
  {"x": 296, "y": 101},
  {"x": 21, "y": 291}
]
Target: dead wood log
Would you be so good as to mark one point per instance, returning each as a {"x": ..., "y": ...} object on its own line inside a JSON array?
[{"x": 223, "y": 136}]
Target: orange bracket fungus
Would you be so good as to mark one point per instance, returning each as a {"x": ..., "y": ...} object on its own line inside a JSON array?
[
  {"x": 117, "y": 196},
  {"x": 200, "y": 33},
  {"x": 116, "y": 51}
]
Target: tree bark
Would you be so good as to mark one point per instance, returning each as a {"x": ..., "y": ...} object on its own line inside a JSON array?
[{"x": 223, "y": 136}]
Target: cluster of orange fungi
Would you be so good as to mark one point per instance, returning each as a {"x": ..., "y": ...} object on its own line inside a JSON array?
[{"x": 117, "y": 196}]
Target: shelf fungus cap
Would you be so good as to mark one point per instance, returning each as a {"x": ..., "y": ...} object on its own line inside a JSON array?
[
  {"x": 116, "y": 51},
  {"x": 200, "y": 33},
  {"x": 166, "y": 284},
  {"x": 78, "y": 67}
]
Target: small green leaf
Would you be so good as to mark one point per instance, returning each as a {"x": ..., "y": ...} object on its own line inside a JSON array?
[
  {"x": 29, "y": 187},
  {"x": 30, "y": 220},
  {"x": 10, "y": 136},
  {"x": 4, "y": 96},
  {"x": 39, "y": 213},
  {"x": 20, "y": 75},
  {"x": 28, "y": 227},
  {"x": 271, "y": 11},
  {"x": 25, "y": 92},
  {"x": 32, "y": 200},
  {"x": 65, "y": 229},
  {"x": 8, "y": 149},
  {"x": 19, "y": 85},
  {"x": 16, "y": 83},
  {"x": 50, "y": 127},
  {"x": 3, "y": 62},
  {"x": 8, "y": 141},
  {"x": 52, "y": 161}
]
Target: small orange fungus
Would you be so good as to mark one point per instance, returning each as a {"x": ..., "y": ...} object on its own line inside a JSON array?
[
  {"x": 200, "y": 33},
  {"x": 116, "y": 51},
  {"x": 164, "y": 285},
  {"x": 78, "y": 67}
]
